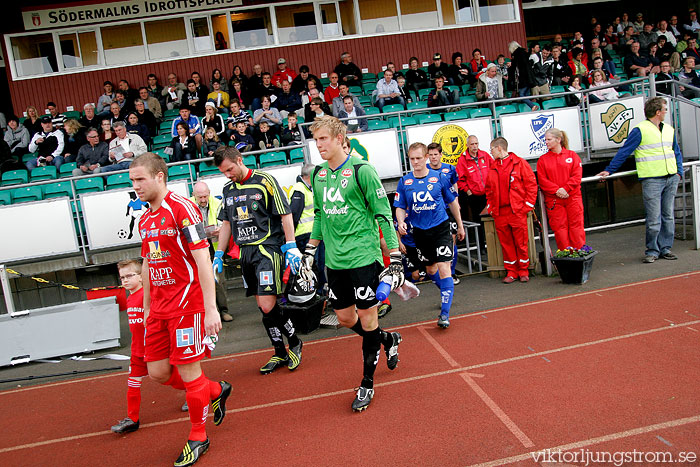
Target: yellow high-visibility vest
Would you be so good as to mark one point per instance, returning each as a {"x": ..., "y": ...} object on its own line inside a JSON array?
[
  {"x": 654, "y": 155},
  {"x": 306, "y": 221}
]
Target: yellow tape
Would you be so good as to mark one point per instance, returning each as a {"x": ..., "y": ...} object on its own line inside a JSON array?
[{"x": 66, "y": 286}]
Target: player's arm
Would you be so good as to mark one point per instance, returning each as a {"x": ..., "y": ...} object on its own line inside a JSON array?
[
  {"x": 212, "y": 321},
  {"x": 224, "y": 235},
  {"x": 401, "y": 220},
  {"x": 454, "y": 209},
  {"x": 146, "y": 279},
  {"x": 288, "y": 227}
]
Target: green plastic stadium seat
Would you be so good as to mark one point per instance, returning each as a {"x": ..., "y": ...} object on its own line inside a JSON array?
[
  {"x": 171, "y": 113},
  {"x": 162, "y": 141},
  {"x": 476, "y": 113},
  {"x": 26, "y": 194},
  {"x": 118, "y": 181},
  {"x": 250, "y": 162},
  {"x": 28, "y": 157},
  {"x": 5, "y": 198},
  {"x": 392, "y": 108},
  {"x": 423, "y": 94},
  {"x": 372, "y": 111},
  {"x": 428, "y": 118},
  {"x": 273, "y": 158},
  {"x": 371, "y": 77},
  {"x": 405, "y": 121},
  {"x": 180, "y": 172},
  {"x": 459, "y": 115},
  {"x": 44, "y": 173},
  {"x": 378, "y": 125},
  {"x": 555, "y": 89},
  {"x": 523, "y": 108},
  {"x": 15, "y": 177},
  {"x": 355, "y": 90},
  {"x": 161, "y": 153},
  {"x": 56, "y": 190},
  {"x": 506, "y": 109},
  {"x": 467, "y": 99},
  {"x": 207, "y": 168},
  {"x": 325, "y": 81},
  {"x": 365, "y": 101},
  {"x": 165, "y": 127},
  {"x": 66, "y": 169},
  {"x": 556, "y": 103},
  {"x": 72, "y": 114},
  {"x": 452, "y": 87},
  {"x": 368, "y": 88},
  {"x": 417, "y": 105},
  {"x": 88, "y": 185},
  {"x": 296, "y": 155},
  {"x": 466, "y": 88}
]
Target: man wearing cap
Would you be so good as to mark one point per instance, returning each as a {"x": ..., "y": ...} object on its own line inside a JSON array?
[
  {"x": 437, "y": 67},
  {"x": 283, "y": 73},
  {"x": 48, "y": 144}
]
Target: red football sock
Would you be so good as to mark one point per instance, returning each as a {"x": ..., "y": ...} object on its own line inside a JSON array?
[
  {"x": 133, "y": 398},
  {"x": 214, "y": 389},
  {"x": 198, "y": 403},
  {"x": 175, "y": 381}
]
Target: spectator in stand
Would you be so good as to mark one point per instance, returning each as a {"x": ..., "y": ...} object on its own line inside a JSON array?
[
  {"x": 459, "y": 71},
  {"x": 647, "y": 37},
  {"x": 355, "y": 125},
  {"x": 638, "y": 24},
  {"x": 611, "y": 38},
  {"x": 92, "y": 156},
  {"x": 663, "y": 31},
  {"x": 600, "y": 95},
  {"x": 120, "y": 98},
  {"x": 542, "y": 65},
  {"x": 255, "y": 80},
  {"x": 48, "y": 144},
  {"x": 199, "y": 86},
  {"x": 306, "y": 96},
  {"x": 211, "y": 142},
  {"x": 347, "y": 71},
  {"x": 183, "y": 145},
  {"x": 287, "y": 102},
  {"x": 155, "y": 90},
  {"x": 489, "y": 86},
  {"x": 437, "y": 67},
  {"x": 146, "y": 117},
  {"x": 338, "y": 101},
  {"x": 283, "y": 73},
  {"x": 441, "y": 96},
  {"x": 598, "y": 63},
  {"x": 416, "y": 78},
  {"x": 219, "y": 97},
  {"x": 215, "y": 121},
  {"x": 104, "y": 101},
  {"x": 557, "y": 42},
  {"x": 315, "y": 108},
  {"x": 576, "y": 64},
  {"x": 667, "y": 52},
  {"x": 57, "y": 118},
  {"x": 597, "y": 32},
  {"x": 624, "y": 24},
  {"x": 472, "y": 169},
  {"x": 291, "y": 135},
  {"x": 123, "y": 149},
  {"x": 637, "y": 64},
  {"x": 268, "y": 114},
  {"x": 573, "y": 100},
  {"x": 192, "y": 123},
  {"x": 237, "y": 74},
  {"x": 265, "y": 89},
  {"x": 106, "y": 132},
  {"x": 476, "y": 65},
  {"x": 688, "y": 75},
  {"x": 195, "y": 98},
  {"x": 654, "y": 55},
  {"x": 388, "y": 92},
  {"x": 332, "y": 90},
  {"x": 17, "y": 136},
  {"x": 520, "y": 78},
  {"x": 628, "y": 38},
  {"x": 665, "y": 75},
  {"x": 238, "y": 93},
  {"x": 217, "y": 76},
  {"x": 135, "y": 127},
  {"x": 503, "y": 67},
  {"x": 89, "y": 118},
  {"x": 237, "y": 115},
  {"x": 73, "y": 139},
  {"x": 674, "y": 28},
  {"x": 116, "y": 114},
  {"x": 32, "y": 123},
  {"x": 299, "y": 85},
  {"x": 151, "y": 103},
  {"x": 173, "y": 92},
  {"x": 130, "y": 94},
  {"x": 690, "y": 51},
  {"x": 265, "y": 138},
  {"x": 693, "y": 25},
  {"x": 403, "y": 90},
  {"x": 242, "y": 141}
]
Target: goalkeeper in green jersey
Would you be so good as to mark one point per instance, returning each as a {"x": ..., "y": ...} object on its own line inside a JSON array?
[{"x": 350, "y": 205}]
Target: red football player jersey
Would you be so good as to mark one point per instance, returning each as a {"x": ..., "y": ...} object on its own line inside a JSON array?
[
  {"x": 134, "y": 310},
  {"x": 168, "y": 236}
]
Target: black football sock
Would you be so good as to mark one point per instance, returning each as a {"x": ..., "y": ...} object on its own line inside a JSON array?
[
  {"x": 273, "y": 332},
  {"x": 371, "y": 344}
]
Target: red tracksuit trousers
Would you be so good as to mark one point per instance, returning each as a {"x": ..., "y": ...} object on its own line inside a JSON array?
[
  {"x": 566, "y": 220},
  {"x": 512, "y": 233}
]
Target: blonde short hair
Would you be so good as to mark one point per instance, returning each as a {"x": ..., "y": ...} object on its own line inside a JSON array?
[{"x": 334, "y": 126}]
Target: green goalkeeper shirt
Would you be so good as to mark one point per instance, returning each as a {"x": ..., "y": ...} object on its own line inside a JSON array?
[{"x": 350, "y": 205}]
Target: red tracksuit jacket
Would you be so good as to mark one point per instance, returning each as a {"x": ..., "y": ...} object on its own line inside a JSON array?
[
  {"x": 472, "y": 174},
  {"x": 522, "y": 187},
  {"x": 563, "y": 170}
]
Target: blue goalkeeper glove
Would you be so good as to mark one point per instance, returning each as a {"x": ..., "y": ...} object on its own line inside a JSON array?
[
  {"x": 218, "y": 263},
  {"x": 292, "y": 256}
]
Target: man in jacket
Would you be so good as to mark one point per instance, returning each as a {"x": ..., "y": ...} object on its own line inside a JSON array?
[
  {"x": 91, "y": 156},
  {"x": 350, "y": 110},
  {"x": 338, "y": 101},
  {"x": 511, "y": 192},
  {"x": 123, "y": 149},
  {"x": 472, "y": 170},
  {"x": 520, "y": 77},
  {"x": 287, "y": 101},
  {"x": 48, "y": 144}
]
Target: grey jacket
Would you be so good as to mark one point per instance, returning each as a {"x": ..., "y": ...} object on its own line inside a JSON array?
[{"x": 18, "y": 139}]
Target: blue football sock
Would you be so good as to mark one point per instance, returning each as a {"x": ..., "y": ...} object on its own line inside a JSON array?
[
  {"x": 435, "y": 278},
  {"x": 447, "y": 290}
]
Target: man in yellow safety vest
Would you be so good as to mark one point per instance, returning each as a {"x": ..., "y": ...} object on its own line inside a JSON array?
[{"x": 659, "y": 168}]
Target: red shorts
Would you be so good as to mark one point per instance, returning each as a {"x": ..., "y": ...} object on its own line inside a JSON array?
[
  {"x": 137, "y": 368},
  {"x": 178, "y": 339}
]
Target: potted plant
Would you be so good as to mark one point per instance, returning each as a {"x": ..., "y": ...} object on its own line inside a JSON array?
[{"x": 574, "y": 266}]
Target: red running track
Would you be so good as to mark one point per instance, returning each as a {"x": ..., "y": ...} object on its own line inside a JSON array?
[{"x": 611, "y": 371}]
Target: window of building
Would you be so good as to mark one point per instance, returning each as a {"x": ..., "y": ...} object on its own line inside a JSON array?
[
  {"x": 465, "y": 12},
  {"x": 330, "y": 26},
  {"x": 418, "y": 14},
  {"x": 219, "y": 24},
  {"x": 347, "y": 17},
  {"x": 34, "y": 55},
  {"x": 296, "y": 23},
  {"x": 123, "y": 44},
  {"x": 496, "y": 10},
  {"x": 448, "y": 12},
  {"x": 79, "y": 49},
  {"x": 378, "y": 17},
  {"x": 201, "y": 35},
  {"x": 252, "y": 28},
  {"x": 166, "y": 38}
]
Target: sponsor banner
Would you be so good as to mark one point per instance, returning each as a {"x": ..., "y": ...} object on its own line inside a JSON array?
[
  {"x": 452, "y": 136},
  {"x": 525, "y": 132},
  {"x": 98, "y": 13},
  {"x": 285, "y": 175},
  {"x": 41, "y": 228},
  {"x": 112, "y": 217},
  {"x": 612, "y": 121},
  {"x": 380, "y": 148}
]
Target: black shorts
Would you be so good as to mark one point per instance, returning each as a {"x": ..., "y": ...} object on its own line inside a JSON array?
[
  {"x": 413, "y": 262},
  {"x": 434, "y": 245},
  {"x": 347, "y": 287},
  {"x": 453, "y": 223},
  {"x": 262, "y": 267}
]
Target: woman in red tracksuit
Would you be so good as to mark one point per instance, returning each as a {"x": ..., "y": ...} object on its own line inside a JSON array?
[
  {"x": 559, "y": 176},
  {"x": 511, "y": 192}
]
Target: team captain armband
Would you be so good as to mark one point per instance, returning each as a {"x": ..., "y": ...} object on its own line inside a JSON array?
[{"x": 194, "y": 233}]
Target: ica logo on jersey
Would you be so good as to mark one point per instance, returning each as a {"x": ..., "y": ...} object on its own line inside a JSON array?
[
  {"x": 422, "y": 196},
  {"x": 332, "y": 194}
]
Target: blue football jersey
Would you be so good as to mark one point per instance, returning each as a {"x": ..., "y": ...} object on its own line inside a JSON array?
[
  {"x": 424, "y": 199},
  {"x": 448, "y": 171}
]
